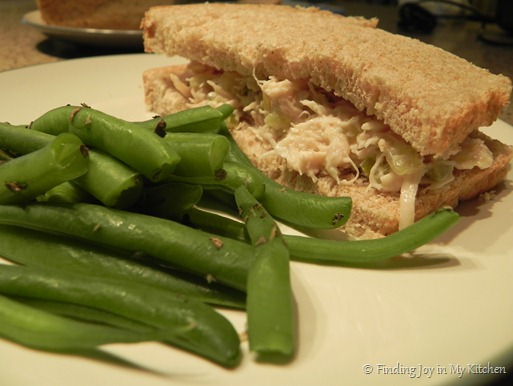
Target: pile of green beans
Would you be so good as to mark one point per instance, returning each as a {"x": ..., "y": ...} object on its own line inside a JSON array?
[
  {"x": 183, "y": 322},
  {"x": 221, "y": 259},
  {"x": 86, "y": 197},
  {"x": 75, "y": 257}
]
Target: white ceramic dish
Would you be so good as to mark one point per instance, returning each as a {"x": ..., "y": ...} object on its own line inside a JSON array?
[
  {"x": 87, "y": 36},
  {"x": 448, "y": 308}
]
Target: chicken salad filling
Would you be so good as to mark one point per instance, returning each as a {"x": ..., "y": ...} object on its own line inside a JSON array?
[{"x": 318, "y": 133}]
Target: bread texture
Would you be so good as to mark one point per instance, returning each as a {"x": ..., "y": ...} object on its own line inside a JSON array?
[
  {"x": 428, "y": 96},
  {"x": 374, "y": 214},
  {"x": 100, "y": 14}
]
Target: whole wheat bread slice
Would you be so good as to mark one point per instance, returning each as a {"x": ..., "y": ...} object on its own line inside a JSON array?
[
  {"x": 374, "y": 214},
  {"x": 430, "y": 97}
]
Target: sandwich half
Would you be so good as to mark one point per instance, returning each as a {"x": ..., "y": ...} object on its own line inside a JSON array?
[{"x": 336, "y": 106}]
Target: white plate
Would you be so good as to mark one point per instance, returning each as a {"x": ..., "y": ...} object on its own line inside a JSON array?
[
  {"x": 450, "y": 306},
  {"x": 88, "y": 36}
]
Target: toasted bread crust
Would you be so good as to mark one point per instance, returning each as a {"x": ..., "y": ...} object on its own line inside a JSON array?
[
  {"x": 430, "y": 97},
  {"x": 374, "y": 214}
]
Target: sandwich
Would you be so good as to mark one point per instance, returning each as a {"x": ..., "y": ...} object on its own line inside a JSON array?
[{"x": 335, "y": 106}]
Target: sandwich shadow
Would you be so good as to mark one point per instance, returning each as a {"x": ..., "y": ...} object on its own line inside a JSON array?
[
  {"x": 101, "y": 356},
  {"x": 408, "y": 262},
  {"x": 421, "y": 261},
  {"x": 481, "y": 207},
  {"x": 478, "y": 209}
]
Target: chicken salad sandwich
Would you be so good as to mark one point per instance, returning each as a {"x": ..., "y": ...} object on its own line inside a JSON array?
[{"x": 335, "y": 106}]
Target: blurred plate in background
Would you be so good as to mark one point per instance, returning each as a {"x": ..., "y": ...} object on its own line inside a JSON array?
[{"x": 87, "y": 36}]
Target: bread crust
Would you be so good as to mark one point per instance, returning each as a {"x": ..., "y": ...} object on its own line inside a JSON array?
[
  {"x": 374, "y": 214},
  {"x": 430, "y": 97}
]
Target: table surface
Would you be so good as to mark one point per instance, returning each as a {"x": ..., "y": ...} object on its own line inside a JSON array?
[{"x": 23, "y": 46}]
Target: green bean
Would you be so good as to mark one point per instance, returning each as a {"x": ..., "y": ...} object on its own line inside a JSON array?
[
  {"x": 210, "y": 256},
  {"x": 200, "y": 154},
  {"x": 304, "y": 209},
  {"x": 293, "y": 207},
  {"x": 107, "y": 179},
  {"x": 55, "y": 121},
  {"x": 260, "y": 226},
  {"x": 37, "y": 249},
  {"x": 214, "y": 223},
  {"x": 19, "y": 139},
  {"x": 66, "y": 193},
  {"x": 140, "y": 149},
  {"x": 110, "y": 181},
  {"x": 227, "y": 179},
  {"x": 270, "y": 310},
  {"x": 26, "y": 177},
  {"x": 42, "y": 330},
  {"x": 185, "y": 323},
  {"x": 226, "y": 109},
  {"x": 168, "y": 199},
  {"x": 203, "y": 119},
  {"x": 339, "y": 252},
  {"x": 85, "y": 314},
  {"x": 368, "y": 251}
]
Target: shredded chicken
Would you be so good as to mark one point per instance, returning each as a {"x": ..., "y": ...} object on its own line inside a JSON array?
[{"x": 319, "y": 133}]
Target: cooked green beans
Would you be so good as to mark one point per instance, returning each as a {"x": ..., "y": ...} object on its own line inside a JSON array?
[
  {"x": 207, "y": 255},
  {"x": 37, "y": 249},
  {"x": 294, "y": 207},
  {"x": 270, "y": 310},
  {"x": 200, "y": 154},
  {"x": 338, "y": 252},
  {"x": 229, "y": 178},
  {"x": 213, "y": 223},
  {"x": 21, "y": 140},
  {"x": 368, "y": 251},
  {"x": 203, "y": 119},
  {"x": 140, "y": 149},
  {"x": 260, "y": 226},
  {"x": 45, "y": 331},
  {"x": 86, "y": 314},
  {"x": 26, "y": 177},
  {"x": 110, "y": 181},
  {"x": 107, "y": 179},
  {"x": 226, "y": 109},
  {"x": 55, "y": 121},
  {"x": 184, "y": 323},
  {"x": 304, "y": 209},
  {"x": 66, "y": 193}
]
